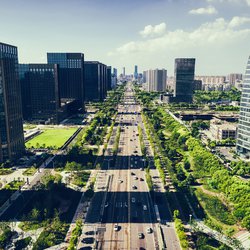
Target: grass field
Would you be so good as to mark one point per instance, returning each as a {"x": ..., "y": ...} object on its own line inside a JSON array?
[{"x": 54, "y": 138}]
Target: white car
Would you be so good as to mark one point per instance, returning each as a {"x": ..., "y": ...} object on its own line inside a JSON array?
[
  {"x": 149, "y": 230},
  {"x": 133, "y": 200},
  {"x": 145, "y": 207},
  {"x": 116, "y": 227}
]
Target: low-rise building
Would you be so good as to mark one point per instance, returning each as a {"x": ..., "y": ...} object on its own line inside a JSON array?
[{"x": 222, "y": 130}]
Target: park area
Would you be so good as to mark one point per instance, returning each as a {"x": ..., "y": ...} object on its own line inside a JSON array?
[{"x": 53, "y": 138}]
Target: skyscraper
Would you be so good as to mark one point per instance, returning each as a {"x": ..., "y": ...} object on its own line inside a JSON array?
[
  {"x": 109, "y": 78},
  {"x": 115, "y": 72},
  {"x": 95, "y": 81},
  {"x": 123, "y": 71},
  {"x": 136, "y": 72},
  {"x": 40, "y": 92},
  {"x": 156, "y": 80},
  {"x": 71, "y": 75},
  {"x": 11, "y": 126},
  {"x": 243, "y": 134},
  {"x": 184, "y": 79}
]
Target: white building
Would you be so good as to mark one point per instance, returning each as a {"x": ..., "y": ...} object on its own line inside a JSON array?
[{"x": 156, "y": 80}]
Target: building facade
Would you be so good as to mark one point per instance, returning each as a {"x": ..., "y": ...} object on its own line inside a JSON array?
[
  {"x": 70, "y": 75},
  {"x": 40, "y": 92},
  {"x": 222, "y": 130},
  {"x": 109, "y": 78},
  {"x": 156, "y": 80},
  {"x": 11, "y": 125},
  {"x": 243, "y": 136},
  {"x": 234, "y": 77},
  {"x": 95, "y": 81},
  {"x": 184, "y": 79},
  {"x": 136, "y": 72}
]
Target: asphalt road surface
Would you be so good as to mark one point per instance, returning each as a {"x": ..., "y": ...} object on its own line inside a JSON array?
[{"x": 121, "y": 214}]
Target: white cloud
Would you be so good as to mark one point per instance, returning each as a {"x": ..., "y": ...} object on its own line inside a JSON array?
[
  {"x": 216, "y": 33},
  {"x": 210, "y": 10},
  {"x": 237, "y": 21},
  {"x": 152, "y": 31}
]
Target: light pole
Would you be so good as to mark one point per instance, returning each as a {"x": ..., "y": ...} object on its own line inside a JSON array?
[
  {"x": 190, "y": 221},
  {"x": 143, "y": 160}
]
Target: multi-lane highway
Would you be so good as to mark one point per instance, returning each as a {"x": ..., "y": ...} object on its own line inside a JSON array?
[
  {"x": 128, "y": 216},
  {"x": 122, "y": 214}
]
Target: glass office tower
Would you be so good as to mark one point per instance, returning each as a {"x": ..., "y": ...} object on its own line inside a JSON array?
[
  {"x": 184, "y": 79},
  {"x": 96, "y": 80},
  {"x": 11, "y": 125},
  {"x": 71, "y": 75},
  {"x": 40, "y": 92},
  {"x": 243, "y": 134}
]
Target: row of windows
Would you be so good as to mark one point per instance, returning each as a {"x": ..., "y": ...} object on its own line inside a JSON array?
[{"x": 8, "y": 49}]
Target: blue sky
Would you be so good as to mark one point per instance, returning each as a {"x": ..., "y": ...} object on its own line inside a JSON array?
[{"x": 149, "y": 33}]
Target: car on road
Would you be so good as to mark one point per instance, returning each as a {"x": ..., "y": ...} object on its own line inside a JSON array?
[
  {"x": 134, "y": 187},
  {"x": 132, "y": 173},
  {"x": 116, "y": 228},
  {"x": 141, "y": 179},
  {"x": 140, "y": 235},
  {"x": 135, "y": 178},
  {"x": 145, "y": 207},
  {"x": 149, "y": 230},
  {"x": 120, "y": 181},
  {"x": 88, "y": 240}
]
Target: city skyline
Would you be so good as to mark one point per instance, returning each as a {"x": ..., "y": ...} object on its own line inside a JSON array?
[{"x": 124, "y": 34}]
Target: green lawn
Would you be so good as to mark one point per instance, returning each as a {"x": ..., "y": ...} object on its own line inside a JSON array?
[
  {"x": 29, "y": 171},
  {"x": 14, "y": 185},
  {"x": 54, "y": 138}
]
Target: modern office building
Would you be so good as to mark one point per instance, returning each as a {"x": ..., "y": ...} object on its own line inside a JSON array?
[
  {"x": 70, "y": 75},
  {"x": 123, "y": 72},
  {"x": 95, "y": 81},
  {"x": 115, "y": 72},
  {"x": 40, "y": 92},
  {"x": 156, "y": 80},
  {"x": 243, "y": 134},
  {"x": 184, "y": 79},
  {"x": 109, "y": 78},
  {"x": 136, "y": 72},
  {"x": 11, "y": 125}
]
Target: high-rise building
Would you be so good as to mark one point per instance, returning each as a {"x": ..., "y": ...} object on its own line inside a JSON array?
[
  {"x": 115, "y": 72},
  {"x": 123, "y": 71},
  {"x": 40, "y": 92},
  {"x": 95, "y": 81},
  {"x": 109, "y": 78},
  {"x": 184, "y": 79},
  {"x": 156, "y": 80},
  {"x": 71, "y": 75},
  {"x": 243, "y": 134},
  {"x": 233, "y": 78},
  {"x": 136, "y": 72},
  {"x": 11, "y": 125}
]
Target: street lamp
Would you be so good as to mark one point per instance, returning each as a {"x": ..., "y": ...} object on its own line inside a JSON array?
[
  {"x": 143, "y": 160},
  {"x": 190, "y": 220}
]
